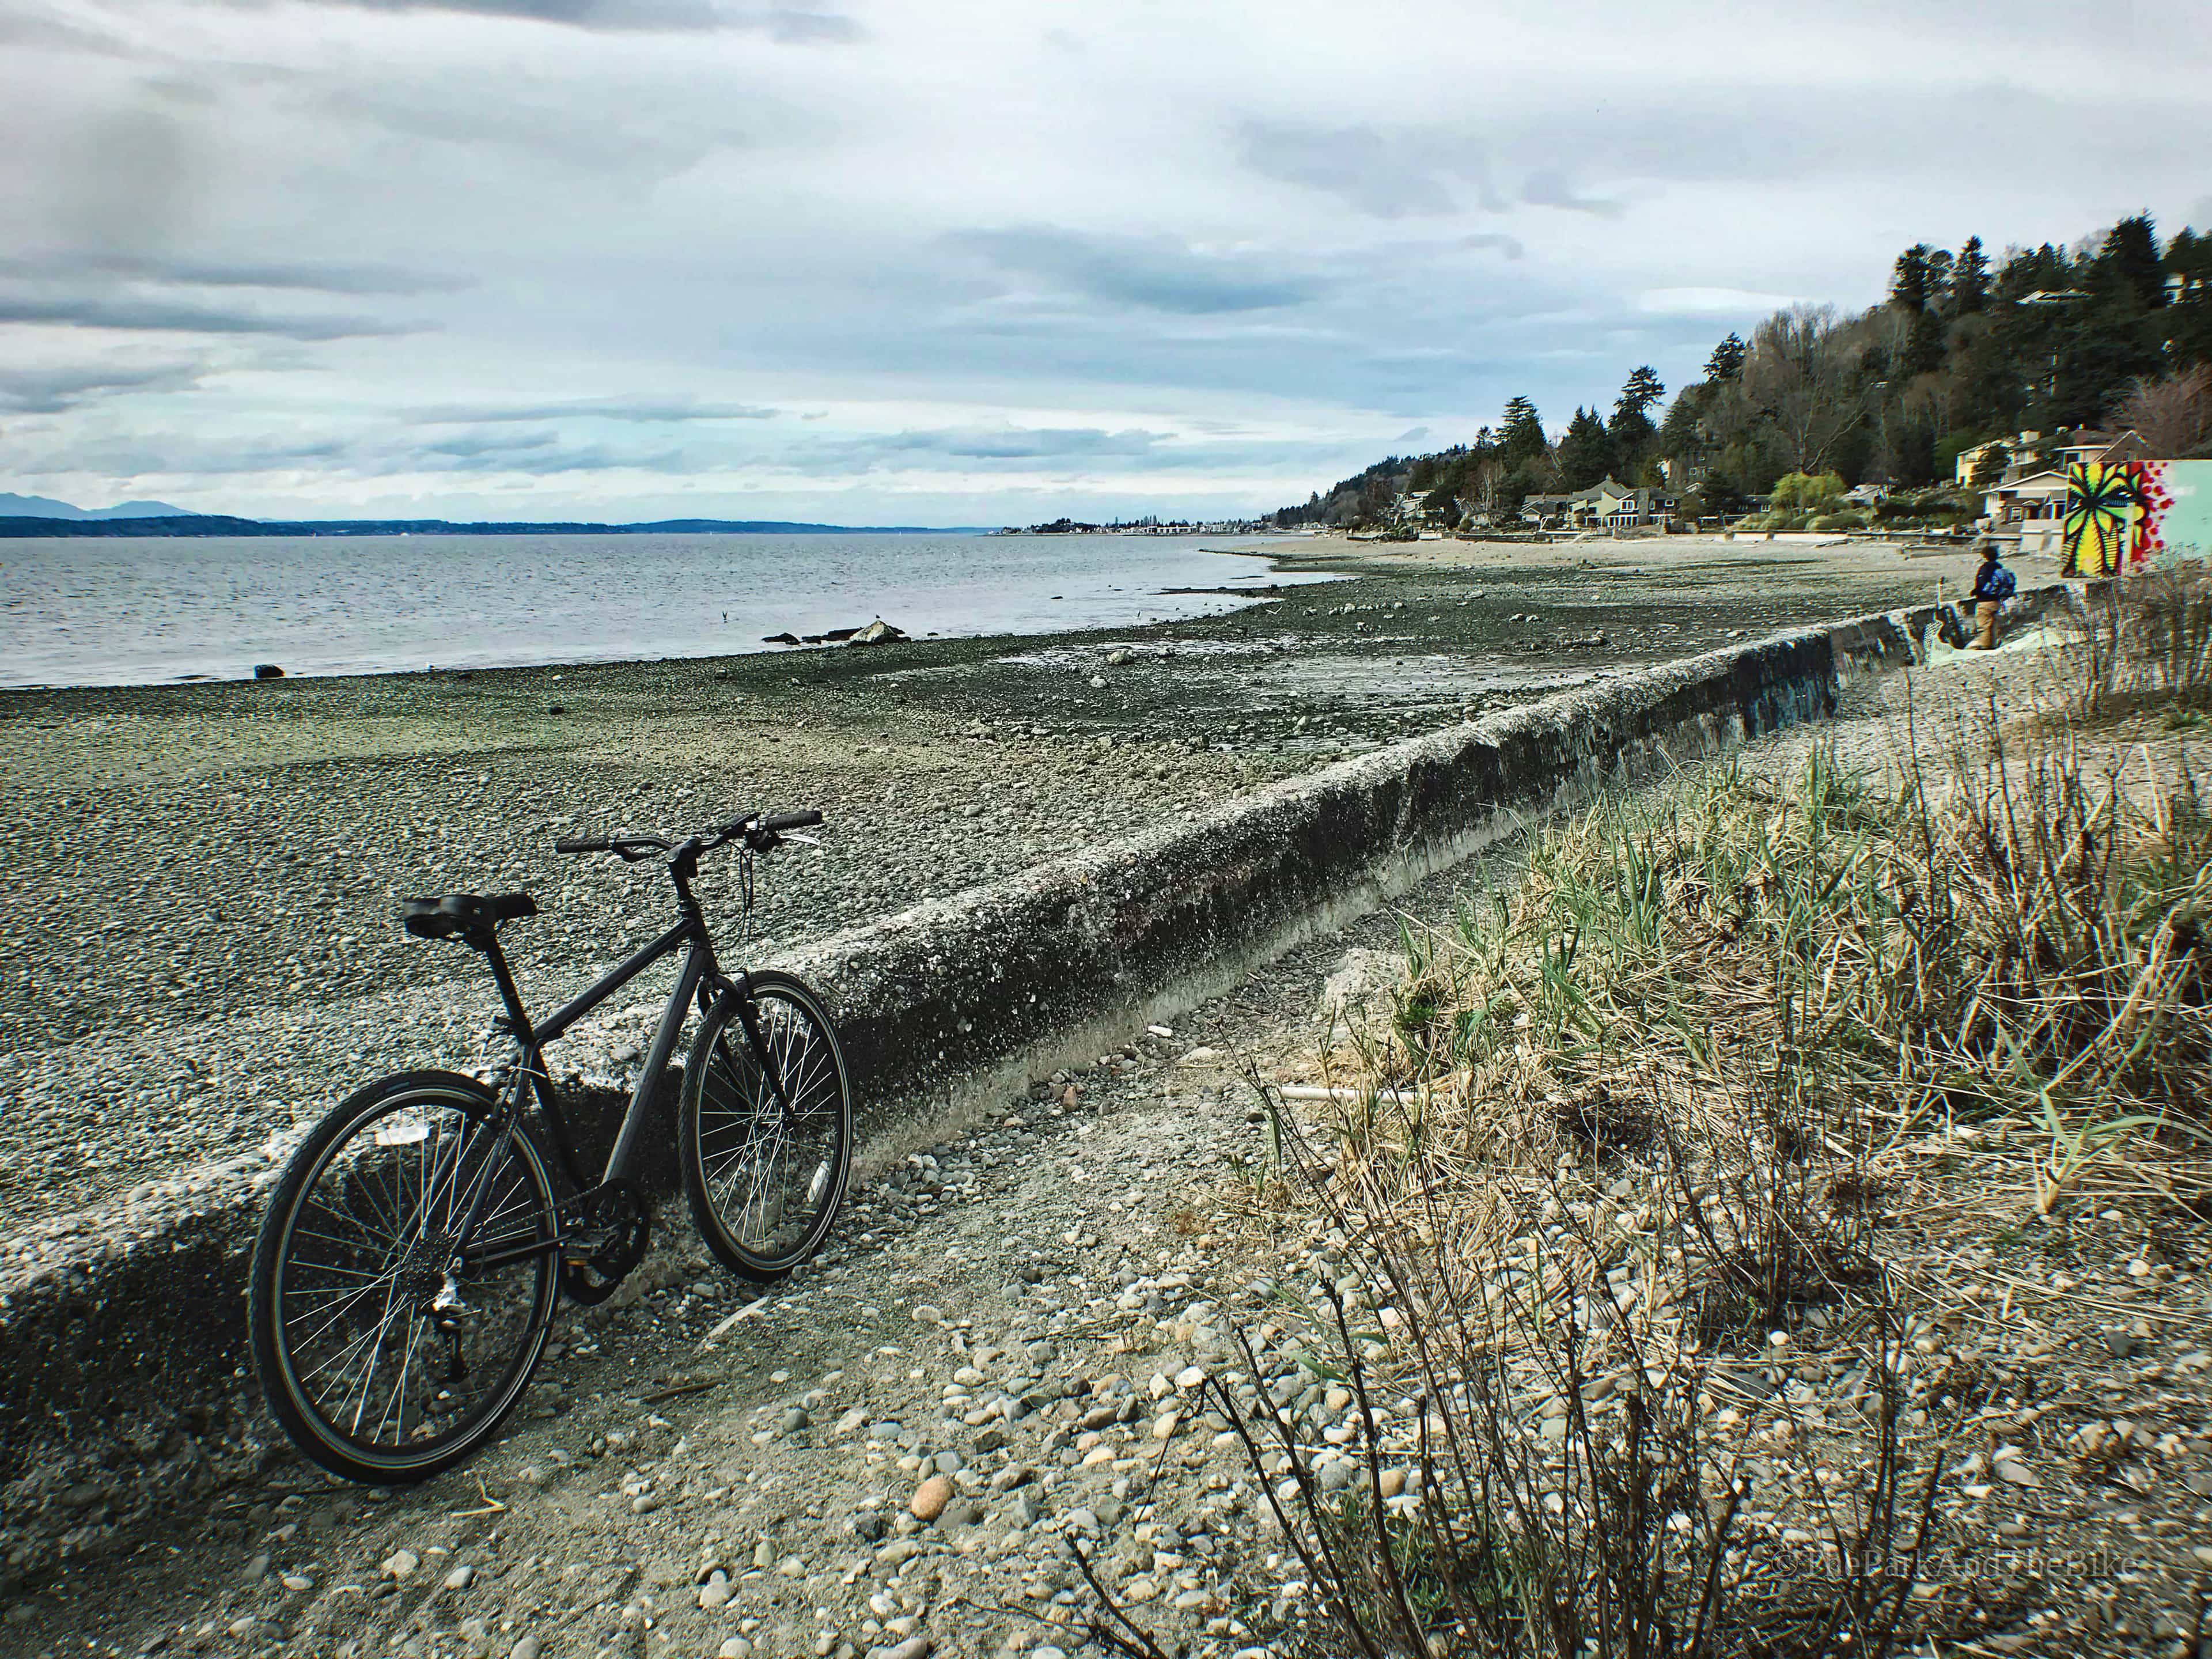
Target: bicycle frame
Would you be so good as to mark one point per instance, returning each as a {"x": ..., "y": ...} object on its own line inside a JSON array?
[
  {"x": 700, "y": 976},
  {"x": 699, "y": 972}
]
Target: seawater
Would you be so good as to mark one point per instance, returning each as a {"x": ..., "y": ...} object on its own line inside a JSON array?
[{"x": 84, "y": 611}]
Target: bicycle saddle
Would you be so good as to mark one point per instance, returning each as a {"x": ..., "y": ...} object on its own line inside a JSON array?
[{"x": 462, "y": 913}]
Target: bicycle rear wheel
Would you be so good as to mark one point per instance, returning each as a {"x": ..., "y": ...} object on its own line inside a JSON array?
[
  {"x": 765, "y": 1176},
  {"x": 376, "y": 1368}
]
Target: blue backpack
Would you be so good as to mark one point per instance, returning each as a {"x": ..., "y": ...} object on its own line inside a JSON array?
[{"x": 2002, "y": 585}]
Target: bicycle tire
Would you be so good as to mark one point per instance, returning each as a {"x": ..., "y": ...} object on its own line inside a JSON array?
[
  {"x": 724, "y": 1116},
  {"x": 351, "y": 1176}
]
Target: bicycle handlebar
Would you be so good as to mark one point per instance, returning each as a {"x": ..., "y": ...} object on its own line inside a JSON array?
[{"x": 758, "y": 830}]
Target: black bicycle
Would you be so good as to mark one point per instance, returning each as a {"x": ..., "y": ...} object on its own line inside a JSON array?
[{"x": 408, "y": 1267}]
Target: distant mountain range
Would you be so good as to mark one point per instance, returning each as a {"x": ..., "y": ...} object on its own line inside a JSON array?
[
  {"x": 43, "y": 506},
  {"x": 26, "y": 516}
]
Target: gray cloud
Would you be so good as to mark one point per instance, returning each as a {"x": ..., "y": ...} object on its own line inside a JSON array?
[
  {"x": 1550, "y": 187},
  {"x": 159, "y": 316},
  {"x": 1686, "y": 132},
  {"x": 785, "y": 25},
  {"x": 307, "y": 277},
  {"x": 49, "y": 391},
  {"x": 185, "y": 456},
  {"x": 975, "y": 254},
  {"x": 23, "y": 26},
  {"x": 640, "y": 412},
  {"x": 1023, "y": 444},
  {"x": 1148, "y": 273},
  {"x": 476, "y": 445},
  {"x": 129, "y": 177},
  {"x": 549, "y": 461},
  {"x": 1389, "y": 174},
  {"x": 1022, "y": 451},
  {"x": 541, "y": 130}
]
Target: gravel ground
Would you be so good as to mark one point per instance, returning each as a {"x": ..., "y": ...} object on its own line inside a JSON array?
[
  {"x": 897, "y": 1452},
  {"x": 204, "y": 948}
]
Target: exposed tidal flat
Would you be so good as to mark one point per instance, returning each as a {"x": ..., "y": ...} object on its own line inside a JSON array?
[{"x": 203, "y": 877}]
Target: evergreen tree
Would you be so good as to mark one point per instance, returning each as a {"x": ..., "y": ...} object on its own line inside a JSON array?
[
  {"x": 1643, "y": 389},
  {"x": 2131, "y": 261},
  {"x": 2188, "y": 323},
  {"x": 1961, "y": 347},
  {"x": 1924, "y": 344},
  {"x": 1521, "y": 437},
  {"x": 1586, "y": 452},
  {"x": 1909, "y": 285},
  {"x": 1631, "y": 428},
  {"x": 1939, "y": 279},
  {"x": 1681, "y": 433},
  {"x": 1970, "y": 279}
]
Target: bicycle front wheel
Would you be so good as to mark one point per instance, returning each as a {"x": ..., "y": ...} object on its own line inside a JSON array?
[
  {"x": 765, "y": 1134},
  {"x": 382, "y": 1363}
]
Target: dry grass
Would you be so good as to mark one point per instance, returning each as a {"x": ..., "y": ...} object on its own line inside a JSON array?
[
  {"x": 1630, "y": 1373},
  {"x": 2146, "y": 641}
]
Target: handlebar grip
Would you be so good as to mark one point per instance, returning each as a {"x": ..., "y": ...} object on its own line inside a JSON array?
[
  {"x": 574, "y": 844},
  {"x": 777, "y": 822}
]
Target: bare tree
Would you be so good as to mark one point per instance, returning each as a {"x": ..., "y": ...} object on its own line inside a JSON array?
[
  {"x": 1489, "y": 485},
  {"x": 1803, "y": 377},
  {"x": 2172, "y": 415}
]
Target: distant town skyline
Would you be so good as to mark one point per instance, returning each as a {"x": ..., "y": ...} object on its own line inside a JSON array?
[{"x": 633, "y": 259}]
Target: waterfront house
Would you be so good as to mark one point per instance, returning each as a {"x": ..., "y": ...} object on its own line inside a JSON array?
[
  {"x": 2028, "y": 507},
  {"x": 1613, "y": 506},
  {"x": 2085, "y": 447},
  {"x": 2022, "y": 447}
]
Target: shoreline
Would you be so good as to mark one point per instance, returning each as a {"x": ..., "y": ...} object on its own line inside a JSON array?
[
  {"x": 1330, "y": 560},
  {"x": 206, "y": 873},
  {"x": 667, "y": 632}
]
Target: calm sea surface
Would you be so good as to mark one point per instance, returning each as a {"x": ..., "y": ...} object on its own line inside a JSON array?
[{"x": 79, "y": 610}]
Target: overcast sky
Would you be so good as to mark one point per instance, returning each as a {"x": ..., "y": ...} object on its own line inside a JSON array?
[{"x": 975, "y": 262}]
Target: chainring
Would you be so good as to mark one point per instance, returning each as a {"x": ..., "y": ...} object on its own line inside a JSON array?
[{"x": 617, "y": 1214}]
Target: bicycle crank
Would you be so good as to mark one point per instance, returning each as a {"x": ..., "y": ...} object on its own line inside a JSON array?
[{"x": 606, "y": 1245}]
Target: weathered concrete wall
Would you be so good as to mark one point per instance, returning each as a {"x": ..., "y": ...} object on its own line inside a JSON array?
[{"x": 957, "y": 1002}]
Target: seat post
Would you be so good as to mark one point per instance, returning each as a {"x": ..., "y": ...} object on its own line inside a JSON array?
[{"x": 489, "y": 944}]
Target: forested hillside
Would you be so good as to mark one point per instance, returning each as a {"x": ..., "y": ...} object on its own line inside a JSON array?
[{"x": 2116, "y": 330}]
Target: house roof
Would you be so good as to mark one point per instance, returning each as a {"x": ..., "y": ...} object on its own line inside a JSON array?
[
  {"x": 1638, "y": 495},
  {"x": 2099, "y": 445},
  {"x": 2050, "y": 481}
]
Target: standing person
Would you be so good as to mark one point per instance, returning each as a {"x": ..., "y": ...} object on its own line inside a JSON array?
[{"x": 1993, "y": 585}]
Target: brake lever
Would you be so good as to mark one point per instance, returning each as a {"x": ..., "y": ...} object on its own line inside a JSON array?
[{"x": 803, "y": 840}]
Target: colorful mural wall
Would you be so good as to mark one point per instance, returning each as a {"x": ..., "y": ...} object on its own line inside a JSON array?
[{"x": 2122, "y": 516}]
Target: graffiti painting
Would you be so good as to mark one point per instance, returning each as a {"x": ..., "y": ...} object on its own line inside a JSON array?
[
  {"x": 2103, "y": 508},
  {"x": 2180, "y": 510},
  {"x": 2122, "y": 517}
]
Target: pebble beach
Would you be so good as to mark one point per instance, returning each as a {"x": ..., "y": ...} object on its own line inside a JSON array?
[{"x": 206, "y": 875}]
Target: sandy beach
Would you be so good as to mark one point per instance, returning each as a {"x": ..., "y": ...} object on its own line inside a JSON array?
[{"x": 205, "y": 875}]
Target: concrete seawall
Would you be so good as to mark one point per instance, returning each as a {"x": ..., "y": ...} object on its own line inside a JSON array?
[{"x": 113, "y": 1324}]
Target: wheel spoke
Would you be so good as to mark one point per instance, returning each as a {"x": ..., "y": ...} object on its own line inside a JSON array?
[
  {"x": 767, "y": 1126},
  {"x": 362, "y": 1357}
]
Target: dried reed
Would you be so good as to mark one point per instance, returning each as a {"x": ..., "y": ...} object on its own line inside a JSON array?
[{"x": 1615, "y": 1148}]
